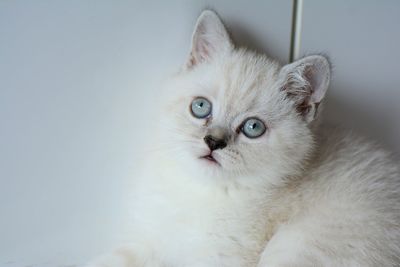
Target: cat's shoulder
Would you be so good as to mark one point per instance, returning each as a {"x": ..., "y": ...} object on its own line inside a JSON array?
[
  {"x": 348, "y": 161},
  {"x": 348, "y": 147}
]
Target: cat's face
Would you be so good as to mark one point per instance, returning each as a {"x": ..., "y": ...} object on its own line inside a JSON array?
[{"x": 236, "y": 113}]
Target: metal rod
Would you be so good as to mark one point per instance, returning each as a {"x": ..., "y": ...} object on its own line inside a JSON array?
[{"x": 295, "y": 37}]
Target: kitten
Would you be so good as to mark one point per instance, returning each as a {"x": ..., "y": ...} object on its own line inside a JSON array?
[{"x": 244, "y": 176}]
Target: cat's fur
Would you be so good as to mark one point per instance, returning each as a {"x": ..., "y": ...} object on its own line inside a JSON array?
[{"x": 302, "y": 194}]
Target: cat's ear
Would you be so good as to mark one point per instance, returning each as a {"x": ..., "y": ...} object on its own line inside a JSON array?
[
  {"x": 306, "y": 81},
  {"x": 209, "y": 39}
]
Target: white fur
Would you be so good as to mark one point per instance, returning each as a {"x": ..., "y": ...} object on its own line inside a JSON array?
[{"x": 303, "y": 194}]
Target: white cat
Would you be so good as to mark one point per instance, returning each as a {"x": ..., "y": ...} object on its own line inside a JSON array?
[{"x": 244, "y": 176}]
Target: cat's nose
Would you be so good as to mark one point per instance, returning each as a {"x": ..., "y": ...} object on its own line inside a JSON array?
[{"x": 214, "y": 143}]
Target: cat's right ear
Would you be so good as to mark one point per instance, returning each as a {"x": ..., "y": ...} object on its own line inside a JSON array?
[{"x": 209, "y": 38}]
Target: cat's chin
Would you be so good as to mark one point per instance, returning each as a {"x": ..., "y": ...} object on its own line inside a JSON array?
[{"x": 211, "y": 166}]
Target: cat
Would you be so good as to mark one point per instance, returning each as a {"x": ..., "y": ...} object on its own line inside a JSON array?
[{"x": 245, "y": 174}]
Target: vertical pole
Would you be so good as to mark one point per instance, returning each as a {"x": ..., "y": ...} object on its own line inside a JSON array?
[{"x": 296, "y": 30}]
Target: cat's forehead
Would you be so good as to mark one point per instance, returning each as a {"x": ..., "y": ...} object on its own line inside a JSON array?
[{"x": 246, "y": 82}]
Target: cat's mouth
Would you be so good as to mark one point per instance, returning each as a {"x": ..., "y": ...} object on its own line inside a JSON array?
[{"x": 210, "y": 158}]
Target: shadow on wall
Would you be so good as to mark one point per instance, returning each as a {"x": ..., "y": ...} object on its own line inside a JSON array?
[
  {"x": 360, "y": 118},
  {"x": 242, "y": 37}
]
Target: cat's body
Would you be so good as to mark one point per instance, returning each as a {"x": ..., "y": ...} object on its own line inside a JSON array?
[{"x": 295, "y": 194}]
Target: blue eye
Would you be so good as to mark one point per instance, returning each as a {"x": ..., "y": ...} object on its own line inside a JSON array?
[
  {"x": 253, "y": 128},
  {"x": 201, "y": 108}
]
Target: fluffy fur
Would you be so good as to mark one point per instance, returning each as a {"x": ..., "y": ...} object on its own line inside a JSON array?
[{"x": 302, "y": 194}]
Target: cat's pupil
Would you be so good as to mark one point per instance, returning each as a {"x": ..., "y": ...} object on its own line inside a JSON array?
[{"x": 201, "y": 104}]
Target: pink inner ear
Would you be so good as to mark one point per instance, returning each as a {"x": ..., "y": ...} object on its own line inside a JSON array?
[
  {"x": 318, "y": 92},
  {"x": 203, "y": 50},
  {"x": 315, "y": 79}
]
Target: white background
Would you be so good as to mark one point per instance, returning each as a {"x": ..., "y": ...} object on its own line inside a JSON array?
[{"x": 77, "y": 83}]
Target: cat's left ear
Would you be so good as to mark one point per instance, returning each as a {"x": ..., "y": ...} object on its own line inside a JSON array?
[
  {"x": 209, "y": 39},
  {"x": 306, "y": 81}
]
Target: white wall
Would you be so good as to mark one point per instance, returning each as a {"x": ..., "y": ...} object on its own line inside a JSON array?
[{"x": 77, "y": 80}]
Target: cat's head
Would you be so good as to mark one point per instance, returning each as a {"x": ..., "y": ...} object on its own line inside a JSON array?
[{"x": 238, "y": 113}]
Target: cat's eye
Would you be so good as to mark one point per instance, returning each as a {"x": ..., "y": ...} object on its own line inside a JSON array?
[
  {"x": 201, "y": 107},
  {"x": 253, "y": 128}
]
